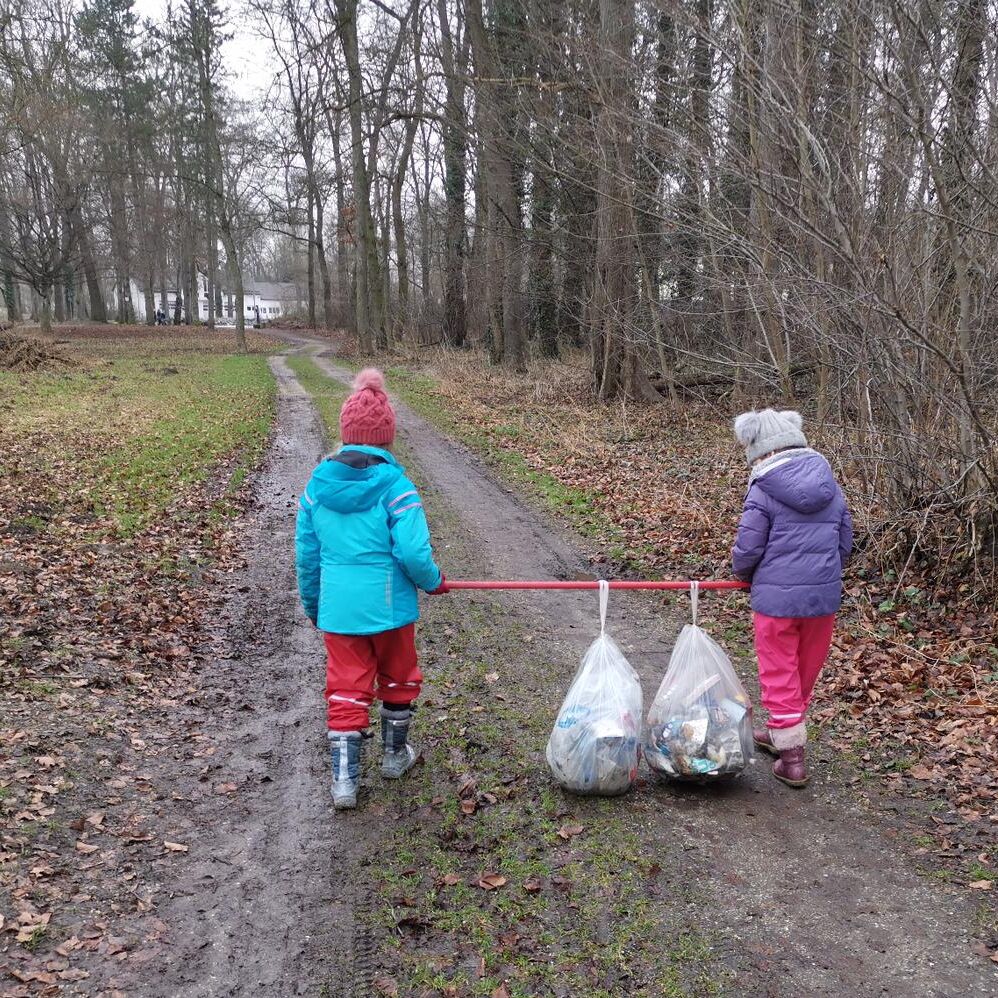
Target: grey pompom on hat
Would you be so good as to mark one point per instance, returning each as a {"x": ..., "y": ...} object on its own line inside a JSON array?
[{"x": 768, "y": 430}]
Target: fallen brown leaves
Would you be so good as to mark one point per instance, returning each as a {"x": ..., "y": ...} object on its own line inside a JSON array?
[
  {"x": 491, "y": 881},
  {"x": 100, "y": 627}
]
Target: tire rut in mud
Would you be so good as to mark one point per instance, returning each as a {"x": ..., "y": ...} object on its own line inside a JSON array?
[{"x": 264, "y": 906}]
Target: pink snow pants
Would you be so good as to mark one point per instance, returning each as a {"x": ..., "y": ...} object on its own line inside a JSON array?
[{"x": 791, "y": 652}]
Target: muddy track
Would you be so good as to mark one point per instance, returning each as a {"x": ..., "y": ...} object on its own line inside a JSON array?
[
  {"x": 809, "y": 891},
  {"x": 808, "y": 894},
  {"x": 262, "y": 911}
]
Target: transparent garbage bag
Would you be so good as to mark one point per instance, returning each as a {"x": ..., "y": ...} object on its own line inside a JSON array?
[
  {"x": 699, "y": 726},
  {"x": 595, "y": 744}
]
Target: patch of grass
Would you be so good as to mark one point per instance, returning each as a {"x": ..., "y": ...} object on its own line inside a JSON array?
[
  {"x": 31, "y": 522},
  {"x": 944, "y": 875},
  {"x": 138, "y": 438},
  {"x": 38, "y": 933},
  {"x": 327, "y": 394},
  {"x": 978, "y": 871},
  {"x": 36, "y": 690},
  {"x": 985, "y": 920}
]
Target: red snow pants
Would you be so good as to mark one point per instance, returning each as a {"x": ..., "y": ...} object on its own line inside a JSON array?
[
  {"x": 791, "y": 652},
  {"x": 363, "y": 667}
]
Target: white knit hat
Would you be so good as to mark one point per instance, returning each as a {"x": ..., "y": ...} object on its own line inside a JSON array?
[{"x": 763, "y": 432}]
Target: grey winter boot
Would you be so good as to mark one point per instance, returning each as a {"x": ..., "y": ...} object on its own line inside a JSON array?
[
  {"x": 347, "y": 748},
  {"x": 399, "y": 755}
]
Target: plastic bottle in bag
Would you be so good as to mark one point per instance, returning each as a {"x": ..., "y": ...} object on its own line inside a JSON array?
[
  {"x": 595, "y": 743},
  {"x": 699, "y": 726}
]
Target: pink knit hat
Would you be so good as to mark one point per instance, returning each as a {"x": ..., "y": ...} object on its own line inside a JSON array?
[{"x": 367, "y": 417}]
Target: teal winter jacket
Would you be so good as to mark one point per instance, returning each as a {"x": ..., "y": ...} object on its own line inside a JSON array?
[{"x": 362, "y": 544}]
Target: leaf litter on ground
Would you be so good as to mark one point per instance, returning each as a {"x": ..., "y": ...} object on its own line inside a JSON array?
[{"x": 114, "y": 551}]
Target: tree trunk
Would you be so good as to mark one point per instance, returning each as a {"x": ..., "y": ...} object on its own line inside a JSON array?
[
  {"x": 616, "y": 368},
  {"x": 212, "y": 247},
  {"x": 192, "y": 311},
  {"x": 9, "y": 297},
  {"x": 236, "y": 281},
  {"x": 401, "y": 250},
  {"x": 578, "y": 207},
  {"x": 425, "y": 233},
  {"x": 455, "y": 154},
  {"x": 178, "y": 301},
  {"x": 98, "y": 310},
  {"x": 490, "y": 168},
  {"x": 59, "y": 301},
  {"x": 45, "y": 310},
  {"x": 763, "y": 289},
  {"x": 328, "y": 319},
  {"x": 383, "y": 221},
  {"x": 344, "y": 291},
  {"x": 119, "y": 240},
  {"x": 310, "y": 277},
  {"x": 543, "y": 300},
  {"x": 367, "y": 270},
  {"x": 690, "y": 209},
  {"x": 512, "y": 264}
]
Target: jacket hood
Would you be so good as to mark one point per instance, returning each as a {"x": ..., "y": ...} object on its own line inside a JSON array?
[
  {"x": 801, "y": 479},
  {"x": 347, "y": 489}
]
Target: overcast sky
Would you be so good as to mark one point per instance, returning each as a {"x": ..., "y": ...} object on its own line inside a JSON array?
[{"x": 247, "y": 56}]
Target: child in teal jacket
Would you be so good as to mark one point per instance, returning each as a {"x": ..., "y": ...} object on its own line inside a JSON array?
[{"x": 362, "y": 552}]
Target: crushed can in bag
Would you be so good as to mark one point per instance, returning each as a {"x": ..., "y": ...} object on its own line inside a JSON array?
[
  {"x": 595, "y": 743},
  {"x": 699, "y": 726}
]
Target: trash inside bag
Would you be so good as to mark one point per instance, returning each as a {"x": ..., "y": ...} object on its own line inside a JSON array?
[
  {"x": 595, "y": 743},
  {"x": 700, "y": 723}
]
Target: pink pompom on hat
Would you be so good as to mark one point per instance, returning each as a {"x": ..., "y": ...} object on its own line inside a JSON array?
[{"x": 367, "y": 417}]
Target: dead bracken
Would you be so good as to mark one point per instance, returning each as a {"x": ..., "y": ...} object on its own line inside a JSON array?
[{"x": 26, "y": 353}]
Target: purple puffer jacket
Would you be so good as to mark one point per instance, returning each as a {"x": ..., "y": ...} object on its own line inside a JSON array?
[{"x": 794, "y": 537}]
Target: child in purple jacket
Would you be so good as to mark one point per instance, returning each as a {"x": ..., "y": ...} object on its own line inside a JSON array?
[{"x": 793, "y": 541}]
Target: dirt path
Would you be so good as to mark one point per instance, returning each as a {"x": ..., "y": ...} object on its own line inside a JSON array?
[
  {"x": 259, "y": 909},
  {"x": 805, "y": 892},
  {"x": 811, "y": 890}
]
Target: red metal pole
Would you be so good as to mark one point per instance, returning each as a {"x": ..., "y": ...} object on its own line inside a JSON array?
[{"x": 622, "y": 584}]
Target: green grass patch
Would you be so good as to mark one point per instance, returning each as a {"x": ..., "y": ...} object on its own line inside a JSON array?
[
  {"x": 327, "y": 394},
  {"x": 139, "y": 435},
  {"x": 36, "y": 690}
]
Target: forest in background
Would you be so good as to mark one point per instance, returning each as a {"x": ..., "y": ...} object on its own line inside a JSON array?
[{"x": 755, "y": 200}]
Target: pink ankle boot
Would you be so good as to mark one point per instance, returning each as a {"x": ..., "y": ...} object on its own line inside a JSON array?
[{"x": 790, "y": 768}]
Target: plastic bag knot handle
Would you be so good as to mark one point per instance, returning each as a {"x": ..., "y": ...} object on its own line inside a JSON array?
[
  {"x": 604, "y": 599},
  {"x": 694, "y": 596}
]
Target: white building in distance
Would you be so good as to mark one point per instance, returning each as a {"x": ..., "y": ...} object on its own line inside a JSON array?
[{"x": 267, "y": 301}]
